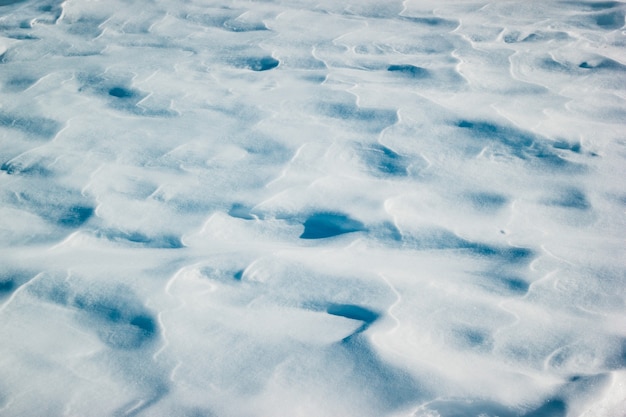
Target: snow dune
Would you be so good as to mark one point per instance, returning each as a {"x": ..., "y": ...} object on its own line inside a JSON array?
[{"x": 312, "y": 208}]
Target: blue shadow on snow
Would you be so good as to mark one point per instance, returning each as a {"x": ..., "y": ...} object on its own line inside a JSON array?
[
  {"x": 385, "y": 161},
  {"x": 410, "y": 71},
  {"x": 33, "y": 126},
  {"x": 115, "y": 313},
  {"x": 325, "y": 225}
]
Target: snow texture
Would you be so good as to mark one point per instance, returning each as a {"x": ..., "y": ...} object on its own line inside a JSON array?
[{"x": 373, "y": 208}]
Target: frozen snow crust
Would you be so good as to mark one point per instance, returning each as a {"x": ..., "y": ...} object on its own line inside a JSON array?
[{"x": 312, "y": 208}]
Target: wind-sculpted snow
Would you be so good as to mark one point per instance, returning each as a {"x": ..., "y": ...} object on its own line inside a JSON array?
[{"x": 330, "y": 208}]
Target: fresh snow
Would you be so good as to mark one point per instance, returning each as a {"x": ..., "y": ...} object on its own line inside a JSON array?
[{"x": 372, "y": 208}]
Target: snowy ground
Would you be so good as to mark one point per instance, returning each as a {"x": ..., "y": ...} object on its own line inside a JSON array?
[{"x": 312, "y": 208}]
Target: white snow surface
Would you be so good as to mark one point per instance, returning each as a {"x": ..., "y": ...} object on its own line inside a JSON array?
[{"x": 312, "y": 208}]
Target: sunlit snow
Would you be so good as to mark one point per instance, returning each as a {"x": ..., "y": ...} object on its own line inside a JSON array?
[{"x": 372, "y": 208}]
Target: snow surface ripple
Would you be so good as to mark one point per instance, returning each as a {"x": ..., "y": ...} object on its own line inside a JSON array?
[{"x": 312, "y": 208}]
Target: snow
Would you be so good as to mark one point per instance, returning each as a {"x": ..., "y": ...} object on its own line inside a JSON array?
[{"x": 312, "y": 208}]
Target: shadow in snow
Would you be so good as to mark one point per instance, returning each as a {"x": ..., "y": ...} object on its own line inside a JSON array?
[
  {"x": 470, "y": 338},
  {"x": 610, "y": 21},
  {"x": 39, "y": 127},
  {"x": 237, "y": 25},
  {"x": 140, "y": 239},
  {"x": 486, "y": 201},
  {"x": 518, "y": 143},
  {"x": 593, "y": 5},
  {"x": 385, "y": 161},
  {"x": 85, "y": 27},
  {"x": 514, "y": 37},
  {"x": 503, "y": 284},
  {"x": 264, "y": 63},
  {"x": 115, "y": 314},
  {"x": 18, "y": 84},
  {"x": 561, "y": 144},
  {"x": 384, "y": 386},
  {"x": 74, "y": 216},
  {"x": 7, "y": 285},
  {"x": 554, "y": 407},
  {"x": 240, "y": 211},
  {"x": 157, "y": 389},
  {"x": 121, "y": 92},
  {"x": 323, "y": 225},
  {"x": 550, "y": 64},
  {"x": 354, "y": 312},
  {"x": 410, "y": 71},
  {"x": 617, "y": 358},
  {"x": 571, "y": 198},
  {"x": 441, "y": 239},
  {"x": 18, "y": 168},
  {"x": 224, "y": 275},
  {"x": 119, "y": 96},
  {"x": 11, "y": 279},
  {"x": 9, "y": 2},
  {"x": 369, "y": 119},
  {"x": 433, "y": 22},
  {"x": 603, "y": 64},
  {"x": 56, "y": 206}
]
